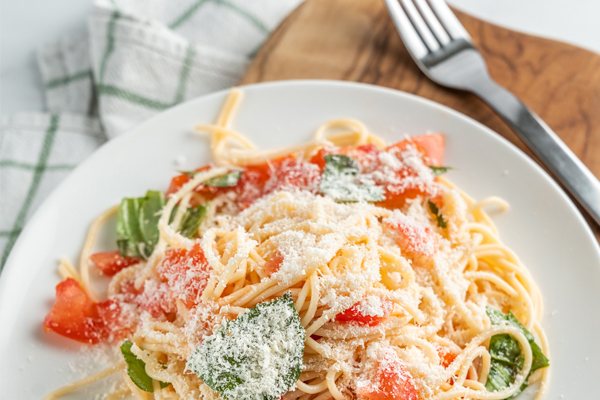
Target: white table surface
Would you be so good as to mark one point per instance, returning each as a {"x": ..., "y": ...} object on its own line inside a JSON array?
[{"x": 26, "y": 24}]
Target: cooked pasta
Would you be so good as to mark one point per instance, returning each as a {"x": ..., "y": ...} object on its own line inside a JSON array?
[{"x": 400, "y": 283}]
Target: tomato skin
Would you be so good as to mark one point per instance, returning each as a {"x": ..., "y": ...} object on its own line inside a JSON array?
[
  {"x": 111, "y": 262},
  {"x": 396, "y": 200},
  {"x": 77, "y": 317},
  {"x": 430, "y": 146},
  {"x": 395, "y": 382},
  {"x": 274, "y": 263},
  {"x": 354, "y": 314},
  {"x": 446, "y": 356},
  {"x": 411, "y": 235},
  {"x": 251, "y": 185},
  {"x": 73, "y": 315},
  {"x": 177, "y": 183},
  {"x": 185, "y": 272}
]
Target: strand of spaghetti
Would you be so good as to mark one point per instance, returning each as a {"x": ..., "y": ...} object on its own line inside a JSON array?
[
  {"x": 497, "y": 201},
  {"x": 530, "y": 312},
  {"x": 230, "y": 107},
  {"x": 183, "y": 206},
  {"x": 222, "y": 133},
  {"x": 495, "y": 279},
  {"x": 86, "y": 251},
  {"x": 85, "y": 381},
  {"x": 468, "y": 363},
  {"x": 324, "y": 396},
  {"x": 332, "y": 375},
  {"x": 254, "y": 292},
  {"x": 302, "y": 295},
  {"x": 66, "y": 270},
  {"x": 314, "y": 301},
  {"x": 360, "y": 128},
  {"x": 312, "y": 389},
  {"x": 488, "y": 234}
]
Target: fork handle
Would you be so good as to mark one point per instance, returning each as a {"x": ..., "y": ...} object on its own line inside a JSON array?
[{"x": 538, "y": 136}]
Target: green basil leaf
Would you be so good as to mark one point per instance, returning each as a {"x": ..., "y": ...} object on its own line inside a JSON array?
[
  {"x": 436, "y": 211},
  {"x": 341, "y": 182},
  {"x": 191, "y": 220},
  {"x": 258, "y": 355},
  {"x": 137, "y": 224},
  {"x": 230, "y": 179},
  {"x": 507, "y": 358},
  {"x": 504, "y": 348},
  {"x": 136, "y": 369},
  {"x": 128, "y": 227},
  {"x": 539, "y": 359},
  {"x": 437, "y": 171},
  {"x": 150, "y": 210}
]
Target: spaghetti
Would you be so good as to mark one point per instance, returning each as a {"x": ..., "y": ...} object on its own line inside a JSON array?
[{"x": 394, "y": 293}]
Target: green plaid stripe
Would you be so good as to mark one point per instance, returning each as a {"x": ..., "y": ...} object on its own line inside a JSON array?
[
  {"x": 110, "y": 43},
  {"x": 110, "y": 90},
  {"x": 38, "y": 174},
  {"x": 32, "y": 167},
  {"x": 59, "y": 82},
  {"x": 187, "y": 14}
]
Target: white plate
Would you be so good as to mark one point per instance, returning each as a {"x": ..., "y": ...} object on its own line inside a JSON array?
[{"x": 542, "y": 226}]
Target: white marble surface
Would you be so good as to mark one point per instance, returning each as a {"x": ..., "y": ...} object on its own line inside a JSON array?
[{"x": 26, "y": 24}]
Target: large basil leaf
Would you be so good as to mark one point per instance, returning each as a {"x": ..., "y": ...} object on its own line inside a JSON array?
[{"x": 256, "y": 356}]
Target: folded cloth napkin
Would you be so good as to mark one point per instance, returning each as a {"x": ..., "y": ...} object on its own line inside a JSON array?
[{"x": 140, "y": 57}]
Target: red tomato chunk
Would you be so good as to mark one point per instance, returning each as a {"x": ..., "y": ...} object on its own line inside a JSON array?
[
  {"x": 77, "y": 317},
  {"x": 394, "y": 381},
  {"x": 111, "y": 262},
  {"x": 446, "y": 356},
  {"x": 356, "y": 314},
  {"x": 274, "y": 263},
  {"x": 185, "y": 272}
]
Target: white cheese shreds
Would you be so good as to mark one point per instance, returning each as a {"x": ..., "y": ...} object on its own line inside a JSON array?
[{"x": 256, "y": 356}]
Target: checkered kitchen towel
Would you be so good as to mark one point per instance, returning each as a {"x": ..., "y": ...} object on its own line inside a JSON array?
[{"x": 141, "y": 57}]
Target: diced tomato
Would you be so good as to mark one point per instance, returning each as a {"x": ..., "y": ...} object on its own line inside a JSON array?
[
  {"x": 185, "y": 272},
  {"x": 288, "y": 172},
  {"x": 357, "y": 313},
  {"x": 412, "y": 235},
  {"x": 177, "y": 183},
  {"x": 74, "y": 315},
  {"x": 394, "y": 381},
  {"x": 251, "y": 185},
  {"x": 284, "y": 172},
  {"x": 114, "y": 323},
  {"x": 364, "y": 154},
  {"x": 431, "y": 146},
  {"x": 156, "y": 299},
  {"x": 396, "y": 200},
  {"x": 274, "y": 263},
  {"x": 112, "y": 262},
  {"x": 446, "y": 356}
]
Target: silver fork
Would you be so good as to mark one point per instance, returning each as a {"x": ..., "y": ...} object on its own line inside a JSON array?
[{"x": 443, "y": 50}]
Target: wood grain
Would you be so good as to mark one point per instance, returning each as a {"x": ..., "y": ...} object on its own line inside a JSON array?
[{"x": 355, "y": 40}]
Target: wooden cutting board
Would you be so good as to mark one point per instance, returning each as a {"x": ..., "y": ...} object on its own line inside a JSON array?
[{"x": 355, "y": 40}]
